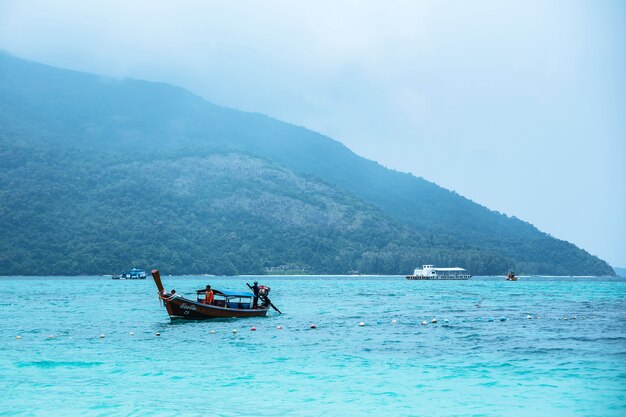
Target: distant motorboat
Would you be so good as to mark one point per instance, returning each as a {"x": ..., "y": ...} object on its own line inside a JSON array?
[
  {"x": 429, "y": 272},
  {"x": 134, "y": 273},
  {"x": 510, "y": 276}
]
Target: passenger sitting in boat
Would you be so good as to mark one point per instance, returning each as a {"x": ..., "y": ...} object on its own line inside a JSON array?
[{"x": 208, "y": 295}]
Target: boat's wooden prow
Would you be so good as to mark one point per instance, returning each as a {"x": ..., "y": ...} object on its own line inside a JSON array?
[
  {"x": 157, "y": 280},
  {"x": 156, "y": 275}
]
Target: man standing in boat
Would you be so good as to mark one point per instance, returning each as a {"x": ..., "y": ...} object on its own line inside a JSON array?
[{"x": 255, "y": 290}]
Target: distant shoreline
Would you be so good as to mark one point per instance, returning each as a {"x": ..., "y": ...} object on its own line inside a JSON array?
[{"x": 303, "y": 276}]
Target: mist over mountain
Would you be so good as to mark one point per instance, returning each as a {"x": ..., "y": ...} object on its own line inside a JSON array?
[{"x": 99, "y": 174}]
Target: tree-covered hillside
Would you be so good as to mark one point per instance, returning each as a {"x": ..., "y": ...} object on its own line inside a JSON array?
[
  {"x": 70, "y": 212},
  {"x": 99, "y": 174}
]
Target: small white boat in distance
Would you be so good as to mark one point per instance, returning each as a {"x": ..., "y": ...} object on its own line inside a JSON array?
[{"x": 430, "y": 272}]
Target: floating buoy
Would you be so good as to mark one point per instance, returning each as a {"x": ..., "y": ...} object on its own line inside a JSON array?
[
  {"x": 51, "y": 336},
  {"x": 490, "y": 319},
  {"x": 564, "y": 318},
  {"x": 279, "y": 327},
  {"x": 157, "y": 334},
  {"x": 446, "y": 321},
  {"x": 424, "y": 323},
  {"x": 394, "y": 321},
  {"x": 502, "y": 318},
  {"x": 433, "y": 321},
  {"x": 18, "y": 337},
  {"x": 212, "y": 332},
  {"x": 102, "y": 336},
  {"x": 253, "y": 329},
  {"x": 574, "y": 318},
  {"x": 234, "y": 331},
  {"x": 313, "y": 326},
  {"x": 361, "y": 324},
  {"x": 529, "y": 317},
  {"x": 132, "y": 333}
]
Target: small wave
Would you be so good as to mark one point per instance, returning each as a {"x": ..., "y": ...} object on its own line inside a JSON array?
[
  {"x": 57, "y": 364},
  {"x": 544, "y": 351},
  {"x": 592, "y": 339}
]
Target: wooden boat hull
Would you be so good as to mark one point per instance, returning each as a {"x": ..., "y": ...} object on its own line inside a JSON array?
[{"x": 183, "y": 308}]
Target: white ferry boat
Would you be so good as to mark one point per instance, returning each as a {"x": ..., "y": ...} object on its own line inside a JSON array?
[
  {"x": 134, "y": 273},
  {"x": 430, "y": 272}
]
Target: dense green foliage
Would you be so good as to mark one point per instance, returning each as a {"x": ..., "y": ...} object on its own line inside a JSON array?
[
  {"x": 97, "y": 175},
  {"x": 69, "y": 212}
]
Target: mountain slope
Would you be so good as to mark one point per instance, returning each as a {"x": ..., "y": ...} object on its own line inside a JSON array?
[
  {"x": 42, "y": 107},
  {"x": 620, "y": 272},
  {"x": 72, "y": 212}
]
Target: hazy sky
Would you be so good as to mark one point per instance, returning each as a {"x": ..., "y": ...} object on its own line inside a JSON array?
[{"x": 518, "y": 105}]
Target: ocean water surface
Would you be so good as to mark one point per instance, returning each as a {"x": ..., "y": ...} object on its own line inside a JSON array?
[{"x": 488, "y": 359}]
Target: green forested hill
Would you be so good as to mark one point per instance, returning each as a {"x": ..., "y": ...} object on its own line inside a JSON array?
[
  {"x": 71, "y": 212},
  {"x": 98, "y": 174}
]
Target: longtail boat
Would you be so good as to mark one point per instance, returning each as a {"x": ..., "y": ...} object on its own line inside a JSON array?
[{"x": 226, "y": 304}]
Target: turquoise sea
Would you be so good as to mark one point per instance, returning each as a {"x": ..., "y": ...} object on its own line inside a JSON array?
[{"x": 489, "y": 359}]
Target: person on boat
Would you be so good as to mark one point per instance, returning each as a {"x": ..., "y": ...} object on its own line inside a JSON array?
[
  {"x": 208, "y": 295},
  {"x": 255, "y": 290}
]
